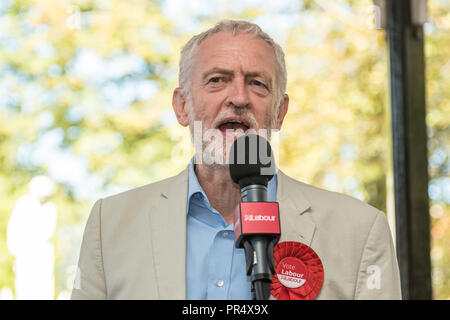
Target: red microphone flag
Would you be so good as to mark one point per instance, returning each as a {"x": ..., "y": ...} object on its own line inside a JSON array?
[{"x": 256, "y": 218}]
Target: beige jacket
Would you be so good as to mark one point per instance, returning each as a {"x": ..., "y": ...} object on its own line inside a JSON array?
[{"x": 134, "y": 244}]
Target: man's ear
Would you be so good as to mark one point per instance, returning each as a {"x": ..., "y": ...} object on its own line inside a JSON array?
[
  {"x": 282, "y": 110},
  {"x": 180, "y": 105}
]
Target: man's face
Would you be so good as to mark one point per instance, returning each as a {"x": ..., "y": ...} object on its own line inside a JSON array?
[{"x": 233, "y": 89}]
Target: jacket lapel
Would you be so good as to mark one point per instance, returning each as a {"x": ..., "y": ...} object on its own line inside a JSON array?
[
  {"x": 168, "y": 232},
  {"x": 296, "y": 221}
]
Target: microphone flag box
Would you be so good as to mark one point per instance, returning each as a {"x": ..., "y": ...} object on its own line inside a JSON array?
[{"x": 256, "y": 218}]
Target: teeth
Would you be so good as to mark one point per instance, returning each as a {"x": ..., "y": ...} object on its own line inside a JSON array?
[{"x": 235, "y": 121}]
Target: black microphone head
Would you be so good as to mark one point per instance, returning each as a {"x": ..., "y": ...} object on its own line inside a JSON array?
[{"x": 251, "y": 160}]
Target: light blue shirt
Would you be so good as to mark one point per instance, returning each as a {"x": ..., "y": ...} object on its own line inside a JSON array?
[{"x": 215, "y": 269}]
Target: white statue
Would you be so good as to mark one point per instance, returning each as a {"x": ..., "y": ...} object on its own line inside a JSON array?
[{"x": 30, "y": 228}]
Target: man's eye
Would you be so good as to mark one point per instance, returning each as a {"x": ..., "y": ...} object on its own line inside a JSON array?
[
  {"x": 215, "y": 79},
  {"x": 258, "y": 83}
]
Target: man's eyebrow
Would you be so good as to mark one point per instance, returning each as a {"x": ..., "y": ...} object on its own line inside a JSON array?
[
  {"x": 230, "y": 72},
  {"x": 216, "y": 70},
  {"x": 261, "y": 74}
]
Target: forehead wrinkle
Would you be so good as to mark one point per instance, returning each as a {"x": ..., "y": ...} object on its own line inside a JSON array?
[{"x": 208, "y": 50}]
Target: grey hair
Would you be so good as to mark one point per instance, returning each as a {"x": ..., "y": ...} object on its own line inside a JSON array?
[{"x": 235, "y": 27}]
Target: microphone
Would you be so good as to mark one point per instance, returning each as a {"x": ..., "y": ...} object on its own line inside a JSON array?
[{"x": 256, "y": 221}]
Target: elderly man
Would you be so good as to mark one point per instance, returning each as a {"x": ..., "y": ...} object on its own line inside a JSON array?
[{"x": 174, "y": 239}]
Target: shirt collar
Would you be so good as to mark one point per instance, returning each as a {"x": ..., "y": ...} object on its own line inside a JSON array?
[{"x": 194, "y": 187}]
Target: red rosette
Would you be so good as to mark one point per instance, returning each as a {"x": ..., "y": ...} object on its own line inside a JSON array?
[{"x": 298, "y": 272}]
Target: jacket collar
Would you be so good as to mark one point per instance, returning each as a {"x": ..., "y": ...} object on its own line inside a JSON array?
[
  {"x": 168, "y": 233},
  {"x": 295, "y": 218}
]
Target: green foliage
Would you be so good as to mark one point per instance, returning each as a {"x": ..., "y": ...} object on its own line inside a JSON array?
[
  {"x": 85, "y": 98},
  {"x": 437, "y": 46}
]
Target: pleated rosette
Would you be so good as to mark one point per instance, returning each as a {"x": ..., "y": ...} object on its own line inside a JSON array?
[{"x": 299, "y": 272}]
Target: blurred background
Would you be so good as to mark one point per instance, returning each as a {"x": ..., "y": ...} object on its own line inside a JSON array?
[{"x": 85, "y": 112}]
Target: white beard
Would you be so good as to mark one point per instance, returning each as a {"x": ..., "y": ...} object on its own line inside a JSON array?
[{"x": 212, "y": 147}]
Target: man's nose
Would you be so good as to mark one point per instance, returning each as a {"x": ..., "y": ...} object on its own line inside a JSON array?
[{"x": 238, "y": 95}]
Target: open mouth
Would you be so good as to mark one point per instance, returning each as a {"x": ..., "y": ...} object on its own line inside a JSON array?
[{"x": 233, "y": 124}]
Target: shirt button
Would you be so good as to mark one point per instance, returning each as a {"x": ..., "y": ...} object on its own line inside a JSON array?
[
  {"x": 225, "y": 234},
  {"x": 220, "y": 283}
]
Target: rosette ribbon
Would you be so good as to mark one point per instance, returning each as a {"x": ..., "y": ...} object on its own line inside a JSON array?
[{"x": 299, "y": 272}]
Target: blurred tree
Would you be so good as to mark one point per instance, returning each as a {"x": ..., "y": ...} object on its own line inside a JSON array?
[
  {"x": 84, "y": 88},
  {"x": 437, "y": 46},
  {"x": 336, "y": 132}
]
